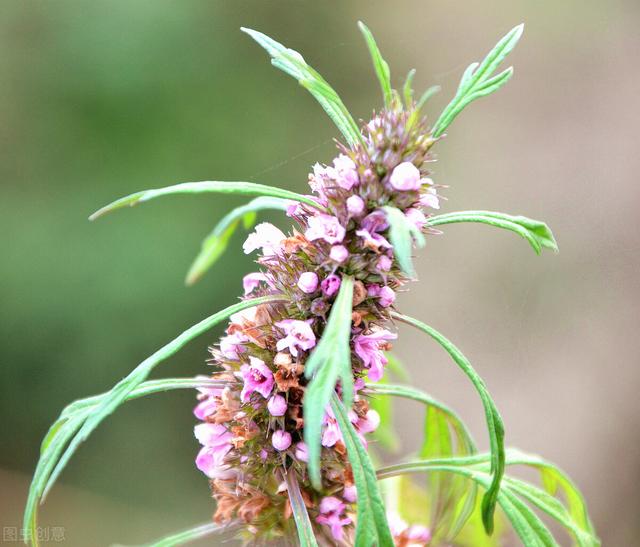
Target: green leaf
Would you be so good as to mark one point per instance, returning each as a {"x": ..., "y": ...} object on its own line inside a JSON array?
[
  {"x": 537, "y": 233},
  {"x": 372, "y": 527},
  {"x": 74, "y": 427},
  {"x": 446, "y": 435},
  {"x": 397, "y": 368},
  {"x": 328, "y": 362},
  {"x": 477, "y": 80},
  {"x": 515, "y": 492},
  {"x": 430, "y": 92},
  {"x": 407, "y": 89},
  {"x": 385, "y": 435},
  {"x": 70, "y": 420},
  {"x": 221, "y": 187},
  {"x": 216, "y": 242},
  {"x": 379, "y": 64},
  {"x": 492, "y": 416},
  {"x": 300, "y": 515},
  {"x": 291, "y": 62},
  {"x": 402, "y": 233},
  {"x": 192, "y": 534},
  {"x": 464, "y": 439}
]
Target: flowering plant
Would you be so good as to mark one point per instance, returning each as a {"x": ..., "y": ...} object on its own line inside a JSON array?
[{"x": 299, "y": 381}]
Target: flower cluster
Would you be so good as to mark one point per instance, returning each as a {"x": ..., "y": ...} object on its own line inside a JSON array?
[{"x": 252, "y": 429}]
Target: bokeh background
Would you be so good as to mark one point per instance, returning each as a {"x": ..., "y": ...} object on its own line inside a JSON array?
[{"x": 99, "y": 99}]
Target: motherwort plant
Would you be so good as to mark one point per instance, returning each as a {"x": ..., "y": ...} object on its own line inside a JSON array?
[{"x": 298, "y": 381}]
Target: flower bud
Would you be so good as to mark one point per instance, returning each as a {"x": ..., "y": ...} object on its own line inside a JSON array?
[
  {"x": 308, "y": 282},
  {"x": 277, "y": 405},
  {"x": 339, "y": 253},
  {"x": 405, "y": 177},
  {"x": 281, "y": 440}
]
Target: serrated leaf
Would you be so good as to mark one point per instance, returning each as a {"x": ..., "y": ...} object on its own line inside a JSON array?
[
  {"x": 537, "y": 233},
  {"x": 291, "y": 62},
  {"x": 79, "y": 419},
  {"x": 215, "y": 244},
  {"x": 300, "y": 515},
  {"x": 220, "y": 187},
  {"x": 372, "y": 527},
  {"x": 477, "y": 80},
  {"x": 329, "y": 362},
  {"x": 492, "y": 416},
  {"x": 379, "y": 64},
  {"x": 402, "y": 233}
]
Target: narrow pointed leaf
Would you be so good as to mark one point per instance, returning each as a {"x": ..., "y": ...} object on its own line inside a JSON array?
[
  {"x": 291, "y": 62},
  {"x": 402, "y": 233},
  {"x": 385, "y": 434},
  {"x": 372, "y": 527},
  {"x": 121, "y": 390},
  {"x": 463, "y": 435},
  {"x": 192, "y": 534},
  {"x": 300, "y": 515},
  {"x": 537, "y": 233},
  {"x": 430, "y": 92},
  {"x": 216, "y": 242},
  {"x": 446, "y": 435},
  {"x": 492, "y": 416},
  {"x": 379, "y": 64},
  {"x": 329, "y": 362},
  {"x": 407, "y": 89},
  {"x": 220, "y": 187},
  {"x": 70, "y": 420},
  {"x": 477, "y": 80},
  {"x": 570, "y": 512}
]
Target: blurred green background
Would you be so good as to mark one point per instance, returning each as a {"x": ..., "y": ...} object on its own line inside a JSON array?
[{"x": 99, "y": 99}]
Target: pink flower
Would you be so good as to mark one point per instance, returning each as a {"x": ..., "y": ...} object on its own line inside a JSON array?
[
  {"x": 318, "y": 181},
  {"x": 349, "y": 493},
  {"x": 257, "y": 377},
  {"x": 331, "y": 509},
  {"x": 302, "y": 453},
  {"x": 367, "y": 347},
  {"x": 430, "y": 199},
  {"x": 345, "y": 172},
  {"x": 281, "y": 440},
  {"x": 277, "y": 405},
  {"x": 266, "y": 237},
  {"x": 370, "y": 227},
  {"x": 208, "y": 403},
  {"x": 386, "y": 296},
  {"x": 331, "y": 434},
  {"x": 369, "y": 423},
  {"x": 355, "y": 206},
  {"x": 325, "y": 227},
  {"x": 330, "y": 285},
  {"x": 231, "y": 346},
  {"x": 405, "y": 177},
  {"x": 416, "y": 217},
  {"x": 364, "y": 424},
  {"x": 251, "y": 281},
  {"x": 308, "y": 282},
  {"x": 216, "y": 441},
  {"x": 411, "y": 536},
  {"x": 384, "y": 263},
  {"x": 298, "y": 335},
  {"x": 339, "y": 253}
]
